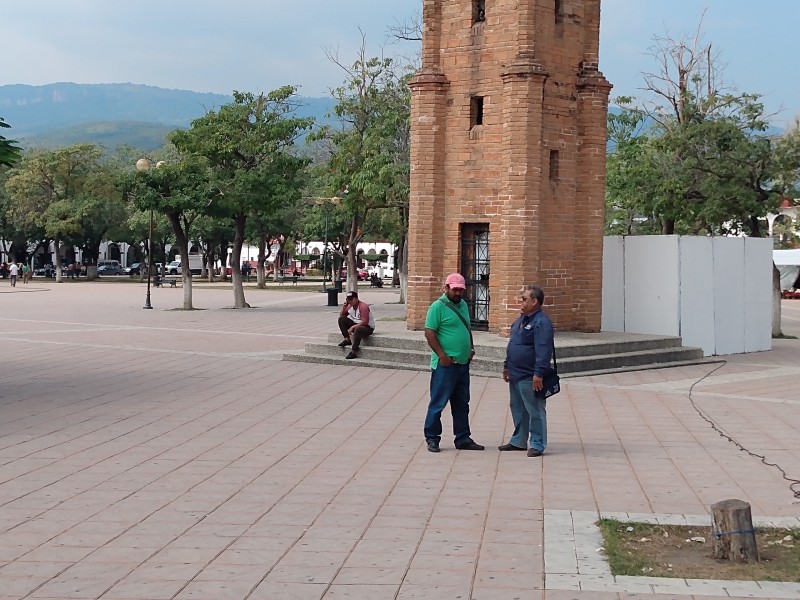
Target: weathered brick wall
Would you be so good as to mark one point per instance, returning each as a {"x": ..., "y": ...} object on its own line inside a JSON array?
[{"x": 543, "y": 99}]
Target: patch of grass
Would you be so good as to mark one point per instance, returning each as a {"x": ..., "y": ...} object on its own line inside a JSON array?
[
  {"x": 621, "y": 560},
  {"x": 640, "y": 549}
]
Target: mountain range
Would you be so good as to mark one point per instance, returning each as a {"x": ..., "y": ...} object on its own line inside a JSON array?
[{"x": 112, "y": 114}]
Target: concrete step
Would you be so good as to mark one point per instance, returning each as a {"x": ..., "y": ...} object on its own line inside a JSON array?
[
  {"x": 578, "y": 353},
  {"x": 568, "y": 344},
  {"x": 477, "y": 369}
]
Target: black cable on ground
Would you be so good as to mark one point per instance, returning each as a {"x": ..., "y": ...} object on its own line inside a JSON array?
[{"x": 794, "y": 485}]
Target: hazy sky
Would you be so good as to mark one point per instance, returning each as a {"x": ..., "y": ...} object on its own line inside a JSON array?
[{"x": 254, "y": 45}]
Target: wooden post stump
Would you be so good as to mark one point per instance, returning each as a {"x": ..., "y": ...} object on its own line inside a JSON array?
[{"x": 734, "y": 536}]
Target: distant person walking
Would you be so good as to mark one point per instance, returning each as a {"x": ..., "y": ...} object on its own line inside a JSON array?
[
  {"x": 528, "y": 356},
  {"x": 26, "y": 273},
  {"x": 13, "y": 271},
  {"x": 448, "y": 333}
]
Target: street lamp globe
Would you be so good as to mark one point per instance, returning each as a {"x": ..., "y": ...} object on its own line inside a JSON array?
[{"x": 143, "y": 164}]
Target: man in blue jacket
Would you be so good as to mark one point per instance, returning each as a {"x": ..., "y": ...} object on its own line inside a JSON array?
[{"x": 528, "y": 355}]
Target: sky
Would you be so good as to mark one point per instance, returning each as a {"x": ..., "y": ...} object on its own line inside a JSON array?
[{"x": 259, "y": 45}]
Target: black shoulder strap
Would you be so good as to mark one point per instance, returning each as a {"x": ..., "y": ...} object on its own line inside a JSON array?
[
  {"x": 463, "y": 320},
  {"x": 555, "y": 362}
]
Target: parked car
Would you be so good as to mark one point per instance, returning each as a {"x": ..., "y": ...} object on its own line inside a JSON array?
[
  {"x": 110, "y": 270},
  {"x": 46, "y": 271},
  {"x": 362, "y": 274},
  {"x": 134, "y": 269},
  {"x": 174, "y": 268}
]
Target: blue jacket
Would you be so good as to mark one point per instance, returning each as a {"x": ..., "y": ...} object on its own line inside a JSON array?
[{"x": 530, "y": 347}]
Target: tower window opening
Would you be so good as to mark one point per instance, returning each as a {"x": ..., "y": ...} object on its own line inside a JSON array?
[
  {"x": 554, "y": 165},
  {"x": 559, "y": 11},
  {"x": 479, "y": 11},
  {"x": 475, "y": 111}
]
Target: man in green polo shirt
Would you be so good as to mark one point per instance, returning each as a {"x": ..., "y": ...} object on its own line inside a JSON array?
[{"x": 448, "y": 334}]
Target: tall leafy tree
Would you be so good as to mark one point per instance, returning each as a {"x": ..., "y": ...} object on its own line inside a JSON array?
[
  {"x": 368, "y": 160},
  {"x": 703, "y": 148},
  {"x": 9, "y": 152},
  {"x": 51, "y": 190},
  {"x": 704, "y": 162},
  {"x": 181, "y": 189},
  {"x": 248, "y": 144}
]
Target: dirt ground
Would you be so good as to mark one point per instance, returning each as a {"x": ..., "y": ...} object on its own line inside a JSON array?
[{"x": 686, "y": 552}]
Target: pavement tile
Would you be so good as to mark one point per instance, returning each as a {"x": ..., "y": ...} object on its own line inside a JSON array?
[
  {"x": 434, "y": 592},
  {"x": 302, "y": 573},
  {"x": 270, "y": 590},
  {"x": 362, "y": 591}
]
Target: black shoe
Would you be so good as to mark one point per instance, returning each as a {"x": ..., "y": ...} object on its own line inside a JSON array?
[
  {"x": 352, "y": 354},
  {"x": 534, "y": 452},
  {"x": 506, "y": 447},
  {"x": 344, "y": 343},
  {"x": 433, "y": 446},
  {"x": 470, "y": 445}
]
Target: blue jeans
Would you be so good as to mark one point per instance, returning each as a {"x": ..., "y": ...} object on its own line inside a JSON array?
[
  {"x": 449, "y": 383},
  {"x": 529, "y": 414}
]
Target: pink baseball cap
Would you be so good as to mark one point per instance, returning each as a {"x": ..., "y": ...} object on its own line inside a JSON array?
[{"x": 456, "y": 281}]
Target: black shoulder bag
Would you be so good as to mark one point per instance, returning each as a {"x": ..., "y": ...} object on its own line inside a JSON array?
[{"x": 551, "y": 383}]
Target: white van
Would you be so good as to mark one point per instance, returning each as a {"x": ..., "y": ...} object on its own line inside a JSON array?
[{"x": 107, "y": 263}]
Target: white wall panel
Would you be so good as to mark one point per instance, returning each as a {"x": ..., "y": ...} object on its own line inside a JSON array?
[
  {"x": 613, "y": 315},
  {"x": 716, "y": 293},
  {"x": 697, "y": 293},
  {"x": 757, "y": 294},
  {"x": 729, "y": 295},
  {"x": 652, "y": 284}
]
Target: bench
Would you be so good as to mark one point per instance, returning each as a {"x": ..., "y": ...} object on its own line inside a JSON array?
[{"x": 159, "y": 282}]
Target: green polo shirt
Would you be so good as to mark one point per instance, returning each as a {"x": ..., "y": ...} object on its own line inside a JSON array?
[{"x": 453, "y": 336}]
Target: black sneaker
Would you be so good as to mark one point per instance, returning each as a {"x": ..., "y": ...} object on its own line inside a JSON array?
[
  {"x": 344, "y": 343},
  {"x": 470, "y": 445},
  {"x": 433, "y": 446},
  {"x": 352, "y": 354}
]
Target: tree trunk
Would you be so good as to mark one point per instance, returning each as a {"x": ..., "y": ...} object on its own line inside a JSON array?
[
  {"x": 223, "y": 261},
  {"x": 734, "y": 536},
  {"x": 261, "y": 274},
  {"x": 776, "y": 302},
  {"x": 59, "y": 274},
  {"x": 401, "y": 267},
  {"x": 209, "y": 262},
  {"x": 236, "y": 264},
  {"x": 182, "y": 240}
]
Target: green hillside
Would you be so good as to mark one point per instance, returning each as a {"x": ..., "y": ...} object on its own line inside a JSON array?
[{"x": 61, "y": 114}]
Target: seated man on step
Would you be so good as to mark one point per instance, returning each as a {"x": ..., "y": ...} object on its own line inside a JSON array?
[{"x": 356, "y": 321}]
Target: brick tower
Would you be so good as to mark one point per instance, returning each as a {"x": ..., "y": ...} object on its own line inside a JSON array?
[{"x": 508, "y": 159}]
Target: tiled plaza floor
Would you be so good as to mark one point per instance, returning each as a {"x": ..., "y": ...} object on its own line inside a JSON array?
[{"x": 170, "y": 454}]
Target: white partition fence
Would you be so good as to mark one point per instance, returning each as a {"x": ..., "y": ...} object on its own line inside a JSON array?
[{"x": 715, "y": 293}]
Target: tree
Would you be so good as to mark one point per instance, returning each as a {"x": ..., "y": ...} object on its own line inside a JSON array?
[
  {"x": 704, "y": 148},
  {"x": 51, "y": 189},
  {"x": 9, "y": 153},
  {"x": 181, "y": 189},
  {"x": 248, "y": 145},
  {"x": 702, "y": 161},
  {"x": 368, "y": 163}
]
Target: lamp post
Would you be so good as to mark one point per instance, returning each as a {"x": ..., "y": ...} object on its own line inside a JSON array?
[
  {"x": 326, "y": 202},
  {"x": 143, "y": 165},
  {"x": 325, "y": 251}
]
